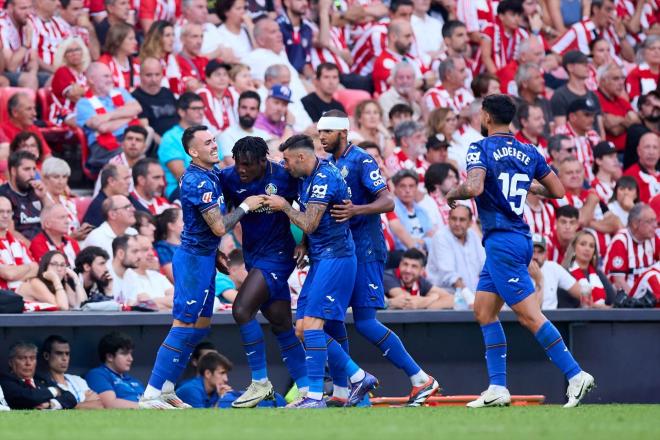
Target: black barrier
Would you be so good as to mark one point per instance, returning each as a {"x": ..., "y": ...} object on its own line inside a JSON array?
[{"x": 621, "y": 348}]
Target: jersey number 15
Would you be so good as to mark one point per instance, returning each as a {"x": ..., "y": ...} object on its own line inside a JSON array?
[{"x": 512, "y": 192}]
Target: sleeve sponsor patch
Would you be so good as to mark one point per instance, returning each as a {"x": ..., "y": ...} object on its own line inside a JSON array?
[{"x": 207, "y": 197}]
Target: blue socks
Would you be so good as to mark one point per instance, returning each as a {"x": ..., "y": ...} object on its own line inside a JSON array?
[
  {"x": 173, "y": 356},
  {"x": 495, "y": 342},
  {"x": 255, "y": 349},
  {"x": 293, "y": 356},
  {"x": 553, "y": 344},
  {"x": 386, "y": 340},
  {"x": 316, "y": 356},
  {"x": 337, "y": 331}
]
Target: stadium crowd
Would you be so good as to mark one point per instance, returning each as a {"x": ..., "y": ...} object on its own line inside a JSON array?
[{"x": 119, "y": 82}]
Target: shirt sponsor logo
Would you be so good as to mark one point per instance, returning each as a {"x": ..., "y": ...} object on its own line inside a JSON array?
[{"x": 207, "y": 197}]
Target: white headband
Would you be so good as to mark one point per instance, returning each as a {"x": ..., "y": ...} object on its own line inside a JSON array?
[{"x": 332, "y": 123}]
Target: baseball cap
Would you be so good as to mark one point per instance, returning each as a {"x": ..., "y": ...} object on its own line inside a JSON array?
[
  {"x": 436, "y": 143},
  {"x": 539, "y": 240},
  {"x": 574, "y": 57},
  {"x": 603, "y": 149},
  {"x": 582, "y": 104},
  {"x": 278, "y": 91},
  {"x": 214, "y": 65}
]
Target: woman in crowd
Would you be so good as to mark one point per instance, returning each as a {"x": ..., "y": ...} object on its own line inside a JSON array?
[
  {"x": 369, "y": 126},
  {"x": 119, "y": 54},
  {"x": 169, "y": 226},
  {"x": 159, "y": 44},
  {"x": 69, "y": 82},
  {"x": 581, "y": 261},
  {"x": 485, "y": 84},
  {"x": 443, "y": 123},
  {"x": 30, "y": 142},
  {"x": 145, "y": 224},
  {"x": 236, "y": 28},
  {"x": 626, "y": 194},
  {"x": 241, "y": 80},
  {"x": 601, "y": 55},
  {"x": 55, "y": 284}
]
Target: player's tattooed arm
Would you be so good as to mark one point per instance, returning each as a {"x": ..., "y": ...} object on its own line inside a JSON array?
[
  {"x": 214, "y": 219},
  {"x": 472, "y": 187},
  {"x": 220, "y": 224},
  {"x": 309, "y": 220},
  {"x": 539, "y": 190}
]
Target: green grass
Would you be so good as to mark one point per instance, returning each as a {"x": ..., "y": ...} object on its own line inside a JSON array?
[{"x": 590, "y": 422}]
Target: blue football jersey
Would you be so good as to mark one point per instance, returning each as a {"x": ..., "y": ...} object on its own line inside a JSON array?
[
  {"x": 361, "y": 173},
  {"x": 325, "y": 186},
  {"x": 510, "y": 168},
  {"x": 200, "y": 192},
  {"x": 266, "y": 234}
]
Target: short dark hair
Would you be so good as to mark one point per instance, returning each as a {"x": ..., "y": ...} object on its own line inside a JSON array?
[
  {"x": 211, "y": 361},
  {"x": 204, "y": 345},
  {"x": 523, "y": 110},
  {"x": 65, "y": 3},
  {"x": 108, "y": 171},
  {"x": 186, "y": 99},
  {"x": 396, "y": 4},
  {"x": 403, "y": 174},
  {"x": 567, "y": 211},
  {"x": 415, "y": 254},
  {"x": 554, "y": 142},
  {"x": 249, "y": 94},
  {"x": 222, "y": 6},
  {"x": 298, "y": 141},
  {"x": 235, "y": 258},
  {"x": 436, "y": 174},
  {"x": 87, "y": 255},
  {"x": 140, "y": 217},
  {"x": 47, "y": 346},
  {"x": 628, "y": 182},
  {"x": 325, "y": 66},
  {"x": 250, "y": 148},
  {"x": 112, "y": 343},
  {"x": 136, "y": 129},
  {"x": 366, "y": 145},
  {"x": 400, "y": 109},
  {"x": 500, "y": 107},
  {"x": 17, "y": 158},
  {"x": 514, "y": 6},
  {"x": 189, "y": 135},
  {"x": 22, "y": 137},
  {"x": 120, "y": 243},
  {"x": 164, "y": 219},
  {"x": 479, "y": 84},
  {"x": 141, "y": 168},
  {"x": 450, "y": 26}
]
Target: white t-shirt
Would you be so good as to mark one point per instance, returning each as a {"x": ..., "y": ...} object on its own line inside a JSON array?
[
  {"x": 240, "y": 43},
  {"x": 102, "y": 237},
  {"x": 153, "y": 283},
  {"x": 76, "y": 385},
  {"x": 617, "y": 210},
  {"x": 228, "y": 138},
  {"x": 554, "y": 277},
  {"x": 428, "y": 34}
]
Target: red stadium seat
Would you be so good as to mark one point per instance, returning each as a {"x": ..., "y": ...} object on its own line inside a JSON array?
[
  {"x": 82, "y": 203},
  {"x": 350, "y": 98},
  {"x": 6, "y": 93}
]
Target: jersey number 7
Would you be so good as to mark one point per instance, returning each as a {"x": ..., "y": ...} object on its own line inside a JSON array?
[{"x": 512, "y": 192}]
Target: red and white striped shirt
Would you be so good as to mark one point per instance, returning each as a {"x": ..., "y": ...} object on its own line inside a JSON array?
[
  {"x": 12, "y": 37},
  {"x": 541, "y": 220},
  {"x": 322, "y": 55},
  {"x": 625, "y": 9},
  {"x": 386, "y": 62},
  {"x": 121, "y": 75},
  {"x": 218, "y": 111},
  {"x": 368, "y": 47},
  {"x": 629, "y": 257},
  {"x": 604, "y": 190},
  {"x": 438, "y": 96},
  {"x": 505, "y": 47},
  {"x": 584, "y": 144},
  {"x": 73, "y": 31},
  {"x": 47, "y": 35},
  {"x": 647, "y": 182},
  {"x": 476, "y": 15},
  {"x": 399, "y": 160},
  {"x": 62, "y": 108},
  {"x": 581, "y": 34},
  {"x": 640, "y": 81},
  {"x": 12, "y": 253},
  {"x": 155, "y": 206},
  {"x": 168, "y": 10}
]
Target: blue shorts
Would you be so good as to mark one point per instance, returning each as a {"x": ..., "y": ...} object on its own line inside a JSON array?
[
  {"x": 505, "y": 271},
  {"x": 276, "y": 275},
  {"x": 327, "y": 289},
  {"x": 194, "y": 285},
  {"x": 369, "y": 291}
]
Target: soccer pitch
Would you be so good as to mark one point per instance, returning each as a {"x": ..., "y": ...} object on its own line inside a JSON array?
[{"x": 530, "y": 423}]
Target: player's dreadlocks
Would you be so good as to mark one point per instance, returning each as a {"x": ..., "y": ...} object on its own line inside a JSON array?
[{"x": 250, "y": 148}]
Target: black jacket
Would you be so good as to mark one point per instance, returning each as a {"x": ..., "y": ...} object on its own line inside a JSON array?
[{"x": 19, "y": 395}]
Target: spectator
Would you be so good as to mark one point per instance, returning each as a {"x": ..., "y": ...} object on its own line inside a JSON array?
[
  {"x": 91, "y": 266},
  {"x": 439, "y": 179},
  {"x": 119, "y": 55},
  {"x": 485, "y": 84},
  {"x": 470, "y": 132},
  {"x": 436, "y": 151},
  {"x": 111, "y": 380},
  {"x": 16, "y": 264},
  {"x": 582, "y": 263},
  {"x": 456, "y": 43},
  {"x": 402, "y": 91},
  {"x": 411, "y": 140},
  {"x": 119, "y": 215},
  {"x": 399, "y": 42},
  {"x": 241, "y": 79},
  {"x": 24, "y": 389},
  {"x": 158, "y": 103},
  {"x": 275, "y": 120},
  {"x": 27, "y": 141},
  {"x": 56, "y": 351},
  {"x": 531, "y": 90},
  {"x": 626, "y": 195},
  {"x": 553, "y": 277},
  {"x": 502, "y": 38},
  {"x": 191, "y": 63},
  {"x": 69, "y": 82},
  {"x": 414, "y": 219},
  {"x": 171, "y": 154},
  {"x": 649, "y": 113},
  {"x": 531, "y": 53},
  {"x": 219, "y": 111},
  {"x": 566, "y": 226},
  {"x": 116, "y": 12},
  {"x": 56, "y": 283},
  {"x": 104, "y": 115},
  {"x": 532, "y": 124},
  {"x": 601, "y": 55},
  {"x": 197, "y": 12},
  {"x": 443, "y": 123},
  {"x": 456, "y": 255},
  {"x": 21, "y": 63},
  {"x": 428, "y": 30},
  {"x": 560, "y": 147},
  {"x": 406, "y": 288},
  {"x": 126, "y": 255},
  {"x": 645, "y": 171},
  {"x": 279, "y": 74},
  {"x": 115, "y": 181},
  {"x": 27, "y": 195},
  {"x": 227, "y": 286},
  {"x": 607, "y": 170},
  {"x": 54, "y": 235},
  {"x": 47, "y": 35},
  {"x": 143, "y": 285},
  {"x": 168, "y": 238},
  {"x": 539, "y": 215},
  {"x": 321, "y": 99},
  {"x": 618, "y": 114},
  {"x": 22, "y": 112},
  {"x": 633, "y": 254},
  {"x": 398, "y": 114},
  {"x": 149, "y": 183},
  {"x": 150, "y": 11},
  {"x": 248, "y": 111},
  {"x": 74, "y": 19},
  {"x": 577, "y": 66},
  {"x": 145, "y": 224},
  {"x": 450, "y": 91},
  {"x": 368, "y": 118},
  {"x": 581, "y": 114},
  {"x": 235, "y": 32},
  {"x": 133, "y": 148},
  {"x": 645, "y": 76},
  {"x": 297, "y": 35}
]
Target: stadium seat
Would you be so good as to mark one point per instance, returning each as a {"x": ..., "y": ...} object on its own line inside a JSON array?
[
  {"x": 350, "y": 98},
  {"x": 6, "y": 93},
  {"x": 82, "y": 203}
]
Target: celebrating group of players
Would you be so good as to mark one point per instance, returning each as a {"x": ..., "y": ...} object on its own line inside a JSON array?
[{"x": 340, "y": 201}]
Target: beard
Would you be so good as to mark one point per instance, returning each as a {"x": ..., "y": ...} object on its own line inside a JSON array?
[
  {"x": 653, "y": 118},
  {"x": 246, "y": 121},
  {"x": 484, "y": 130}
]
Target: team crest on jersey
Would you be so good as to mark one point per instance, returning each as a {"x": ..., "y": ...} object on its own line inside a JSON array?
[
  {"x": 271, "y": 189},
  {"x": 617, "y": 262},
  {"x": 207, "y": 197},
  {"x": 344, "y": 171}
]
